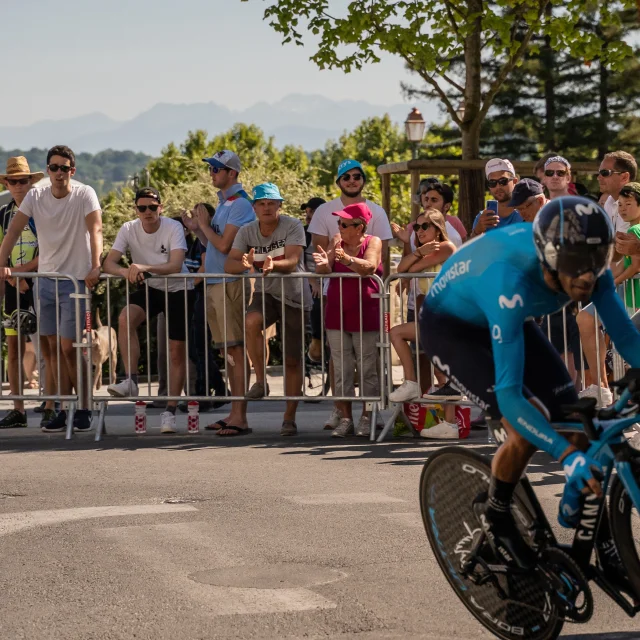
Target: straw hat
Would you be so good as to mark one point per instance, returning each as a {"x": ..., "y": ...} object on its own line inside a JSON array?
[{"x": 18, "y": 167}]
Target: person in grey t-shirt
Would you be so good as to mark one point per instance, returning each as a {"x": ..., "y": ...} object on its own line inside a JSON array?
[{"x": 274, "y": 244}]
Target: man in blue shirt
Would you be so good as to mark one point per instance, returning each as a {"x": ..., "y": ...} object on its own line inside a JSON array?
[
  {"x": 501, "y": 180},
  {"x": 231, "y": 294},
  {"x": 477, "y": 327}
]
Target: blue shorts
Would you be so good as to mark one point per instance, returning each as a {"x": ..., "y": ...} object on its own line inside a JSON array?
[{"x": 46, "y": 307}]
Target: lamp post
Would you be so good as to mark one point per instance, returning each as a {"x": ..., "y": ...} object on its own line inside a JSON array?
[
  {"x": 414, "y": 127},
  {"x": 460, "y": 110}
]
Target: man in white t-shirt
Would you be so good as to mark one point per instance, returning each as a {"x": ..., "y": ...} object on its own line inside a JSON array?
[
  {"x": 69, "y": 222},
  {"x": 616, "y": 169},
  {"x": 350, "y": 179},
  {"x": 157, "y": 245}
]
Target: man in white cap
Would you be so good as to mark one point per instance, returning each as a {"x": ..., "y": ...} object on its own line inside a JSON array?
[
  {"x": 501, "y": 180},
  {"x": 18, "y": 179}
]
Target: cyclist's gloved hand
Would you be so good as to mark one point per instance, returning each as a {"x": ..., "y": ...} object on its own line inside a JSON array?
[{"x": 583, "y": 471}]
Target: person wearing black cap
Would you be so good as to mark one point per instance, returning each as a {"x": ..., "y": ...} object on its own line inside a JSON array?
[
  {"x": 315, "y": 348},
  {"x": 528, "y": 198}
]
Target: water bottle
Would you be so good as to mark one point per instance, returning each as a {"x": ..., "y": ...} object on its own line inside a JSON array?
[
  {"x": 193, "y": 419},
  {"x": 141, "y": 417}
]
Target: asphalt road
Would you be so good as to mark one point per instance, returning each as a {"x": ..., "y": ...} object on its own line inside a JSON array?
[{"x": 190, "y": 537}]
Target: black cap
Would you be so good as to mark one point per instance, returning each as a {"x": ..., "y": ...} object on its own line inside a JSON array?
[
  {"x": 148, "y": 192},
  {"x": 314, "y": 203},
  {"x": 523, "y": 190}
]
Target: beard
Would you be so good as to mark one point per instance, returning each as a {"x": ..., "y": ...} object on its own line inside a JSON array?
[{"x": 352, "y": 194}]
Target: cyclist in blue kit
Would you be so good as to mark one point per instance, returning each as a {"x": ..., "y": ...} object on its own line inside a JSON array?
[{"x": 477, "y": 327}]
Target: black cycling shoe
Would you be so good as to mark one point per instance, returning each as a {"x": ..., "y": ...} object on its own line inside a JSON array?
[{"x": 503, "y": 536}]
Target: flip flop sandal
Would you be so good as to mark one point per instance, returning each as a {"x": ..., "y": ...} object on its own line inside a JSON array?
[
  {"x": 216, "y": 426},
  {"x": 239, "y": 431}
]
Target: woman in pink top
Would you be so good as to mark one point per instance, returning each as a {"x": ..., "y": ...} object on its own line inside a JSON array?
[{"x": 353, "y": 346}]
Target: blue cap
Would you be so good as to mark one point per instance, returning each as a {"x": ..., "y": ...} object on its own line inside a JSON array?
[
  {"x": 267, "y": 191},
  {"x": 524, "y": 190},
  {"x": 346, "y": 165}
]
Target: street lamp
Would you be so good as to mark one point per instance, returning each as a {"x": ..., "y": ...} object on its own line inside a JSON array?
[
  {"x": 460, "y": 110},
  {"x": 414, "y": 127}
]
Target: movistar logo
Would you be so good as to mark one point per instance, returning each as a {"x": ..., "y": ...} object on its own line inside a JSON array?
[
  {"x": 570, "y": 469},
  {"x": 443, "y": 367},
  {"x": 457, "y": 269},
  {"x": 511, "y": 303}
]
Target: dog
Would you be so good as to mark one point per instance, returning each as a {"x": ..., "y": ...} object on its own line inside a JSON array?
[{"x": 100, "y": 351}]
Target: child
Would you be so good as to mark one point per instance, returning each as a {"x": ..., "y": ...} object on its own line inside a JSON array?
[{"x": 626, "y": 269}]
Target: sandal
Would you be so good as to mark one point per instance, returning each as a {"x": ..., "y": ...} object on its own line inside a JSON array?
[
  {"x": 216, "y": 426},
  {"x": 238, "y": 431}
]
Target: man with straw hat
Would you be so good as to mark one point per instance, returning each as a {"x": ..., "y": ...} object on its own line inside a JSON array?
[{"x": 18, "y": 179}]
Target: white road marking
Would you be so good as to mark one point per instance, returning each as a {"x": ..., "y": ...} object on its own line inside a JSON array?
[
  {"x": 13, "y": 522},
  {"x": 344, "y": 498}
]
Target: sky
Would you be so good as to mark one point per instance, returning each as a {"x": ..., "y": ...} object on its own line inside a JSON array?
[{"x": 120, "y": 57}]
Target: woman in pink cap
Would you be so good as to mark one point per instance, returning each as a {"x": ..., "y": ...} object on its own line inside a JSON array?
[{"x": 353, "y": 344}]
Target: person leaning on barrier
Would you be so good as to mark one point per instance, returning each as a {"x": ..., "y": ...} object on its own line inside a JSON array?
[
  {"x": 157, "y": 245},
  {"x": 437, "y": 195},
  {"x": 227, "y": 298},
  {"x": 433, "y": 247},
  {"x": 69, "y": 222},
  {"x": 18, "y": 179},
  {"x": 272, "y": 245},
  {"x": 353, "y": 341}
]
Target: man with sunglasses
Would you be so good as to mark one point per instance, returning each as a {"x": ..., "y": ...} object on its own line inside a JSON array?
[
  {"x": 557, "y": 177},
  {"x": 68, "y": 217},
  {"x": 18, "y": 179},
  {"x": 351, "y": 180},
  {"x": 616, "y": 169},
  {"x": 501, "y": 180}
]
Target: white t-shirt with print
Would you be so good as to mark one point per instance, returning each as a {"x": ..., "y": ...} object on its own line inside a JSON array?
[
  {"x": 611, "y": 207},
  {"x": 63, "y": 236},
  {"x": 154, "y": 248},
  {"x": 324, "y": 223}
]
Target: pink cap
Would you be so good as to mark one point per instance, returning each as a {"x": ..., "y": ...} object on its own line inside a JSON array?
[{"x": 353, "y": 211}]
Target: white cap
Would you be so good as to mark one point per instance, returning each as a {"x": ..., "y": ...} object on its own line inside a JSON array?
[
  {"x": 499, "y": 164},
  {"x": 224, "y": 160}
]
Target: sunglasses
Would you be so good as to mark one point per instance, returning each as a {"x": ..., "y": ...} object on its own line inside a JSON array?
[
  {"x": 65, "y": 168},
  {"x": 344, "y": 225},
  {"x": 605, "y": 173},
  {"x": 503, "y": 182},
  {"x": 347, "y": 177},
  {"x": 14, "y": 182},
  {"x": 143, "y": 207},
  {"x": 217, "y": 169},
  {"x": 424, "y": 226},
  {"x": 561, "y": 173}
]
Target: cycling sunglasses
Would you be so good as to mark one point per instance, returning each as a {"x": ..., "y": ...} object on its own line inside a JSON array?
[
  {"x": 347, "y": 177},
  {"x": 576, "y": 261},
  {"x": 344, "y": 225},
  {"x": 605, "y": 173},
  {"x": 14, "y": 182},
  {"x": 561, "y": 173},
  {"x": 143, "y": 207},
  {"x": 65, "y": 168},
  {"x": 503, "y": 182},
  {"x": 424, "y": 226}
]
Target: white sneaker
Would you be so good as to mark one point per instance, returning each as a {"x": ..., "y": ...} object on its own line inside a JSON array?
[
  {"x": 123, "y": 389},
  {"x": 332, "y": 421},
  {"x": 363, "y": 429},
  {"x": 407, "y": 391},
  {"x": 344, "y": 428},
  {"x": 167, "y": 422},
  {"x": 592, "y": 392},
  {"x": 442, "y": 430}
]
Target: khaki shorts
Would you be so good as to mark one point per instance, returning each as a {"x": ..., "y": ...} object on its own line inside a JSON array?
[
  {"x": 227, "y": 295},
  {"x": 293, "y": 329}
]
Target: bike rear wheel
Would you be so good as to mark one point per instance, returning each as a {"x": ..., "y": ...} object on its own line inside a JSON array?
[
  {"x": 450, "y": 481},
  {"x": 625, "y": 527}
]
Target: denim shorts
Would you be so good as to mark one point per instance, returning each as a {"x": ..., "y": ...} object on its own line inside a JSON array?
[{"x": 64, "y": 308}]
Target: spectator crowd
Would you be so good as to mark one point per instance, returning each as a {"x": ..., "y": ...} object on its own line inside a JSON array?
[{"x": 330, "y": 315}]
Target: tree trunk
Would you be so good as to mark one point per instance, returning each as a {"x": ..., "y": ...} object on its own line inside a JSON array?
[
  {"x": 603, "y": 116},
  {"x": 547, "y": 73},
  {"x": 472, "y": 181}
]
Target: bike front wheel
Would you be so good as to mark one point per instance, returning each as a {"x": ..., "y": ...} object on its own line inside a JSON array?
[{"x": 450, "y": 481}]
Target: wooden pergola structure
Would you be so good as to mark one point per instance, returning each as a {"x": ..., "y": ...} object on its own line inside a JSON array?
[{"x": 421, "y": 167}]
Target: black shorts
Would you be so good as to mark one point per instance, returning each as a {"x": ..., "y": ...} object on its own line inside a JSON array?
[
  {"x": 467, "y": 350},
  {"x": 11, "y": 299},
  {"x": 176, "y": 327}
]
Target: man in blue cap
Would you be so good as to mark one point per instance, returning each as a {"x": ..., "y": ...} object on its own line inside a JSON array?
[
  {"x": 274, "y": 244},
  {"x": 350, "y": 179},
  {"x": 528, "y": 198}
]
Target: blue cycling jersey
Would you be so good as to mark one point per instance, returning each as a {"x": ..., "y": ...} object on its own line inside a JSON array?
[{"x": 496, "y": 281}]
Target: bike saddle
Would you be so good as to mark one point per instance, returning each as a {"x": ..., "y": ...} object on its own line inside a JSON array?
[{"x": 585, "y": 407}]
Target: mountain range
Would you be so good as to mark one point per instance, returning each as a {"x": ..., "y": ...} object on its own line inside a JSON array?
[{"x": 304, "y": 120}]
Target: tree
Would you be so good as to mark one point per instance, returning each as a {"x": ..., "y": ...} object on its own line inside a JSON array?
[{"x": 430, "y": 34}]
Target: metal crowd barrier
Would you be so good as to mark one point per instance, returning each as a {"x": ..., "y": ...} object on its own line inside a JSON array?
[
  {"x": 73, "y": 399},
  {"x": 373, "y": 402}
]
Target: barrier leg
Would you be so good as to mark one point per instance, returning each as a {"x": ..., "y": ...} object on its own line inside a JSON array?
[
  {"x": 70, "y": 415},
  {"x": 390, "y": 422},
  {"x": 374, "y": 419},
  {"x": 100, "y": 425}
]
